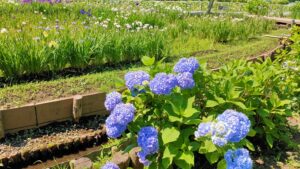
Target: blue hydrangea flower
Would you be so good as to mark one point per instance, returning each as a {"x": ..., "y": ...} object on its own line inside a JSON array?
[
  {"x": 148, "y": 141},
  {"x": 115, "y": 130},
  {"x": 230, "y": 126},
  {"x": 163, "y": 83},
  {"x": 185, "y": 80},
  {"x": 112, "y": 99},
  {"x": 123, "y": 113},
  {"x": 203, "y": 129},
  {"x": 238, "y": 124},
  {"x": 110, "y": 165},
  {"x": 220, "y": 133},
  {"x": 137, "y": 78},
  {"x": 186, "y": 65},
  {"x": 116, "y": 123},
  {"x": 143, "y": 158},
  {"x": 219, "y": 141},
  {"x": 238, "y": 159}
]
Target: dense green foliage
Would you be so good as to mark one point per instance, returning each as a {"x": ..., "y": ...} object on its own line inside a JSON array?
[
  {"x": 258, "y": 7},
  {"x": 266, "y": 92},
  {"x": 295, "y": 9}
]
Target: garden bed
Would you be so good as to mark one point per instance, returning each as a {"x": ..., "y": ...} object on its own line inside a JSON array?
[
  {"x": 185, "y": 116},
  {"x": 51, "y": 141}
]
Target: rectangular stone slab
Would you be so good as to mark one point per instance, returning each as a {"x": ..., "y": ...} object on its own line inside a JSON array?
[
  {"x": 19, "y": 118},
  {"x": 58, "y": 110},
  {"x": 93, "y": 104}
]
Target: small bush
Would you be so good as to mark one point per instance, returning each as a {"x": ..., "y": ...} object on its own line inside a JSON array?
[
  {"x": 258, "y": 7},
  {"x": 283, "y": 2}
]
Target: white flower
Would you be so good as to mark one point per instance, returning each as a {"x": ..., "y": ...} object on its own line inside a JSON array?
[
  {"x": 114, "y": 9},
  {"x": 145, "y": 26},
  {"x": 4, "y": 30},
  {"x": 104, "y": 26},
  {"x": 237, "y": 20},
  {"x": 47, "y": 29},
  {"x": 128, "y": 26},
  {"x": 36, "y": 38},
  {"x": 139, "y": 23}
]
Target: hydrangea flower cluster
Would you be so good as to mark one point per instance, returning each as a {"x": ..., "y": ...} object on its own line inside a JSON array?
[
  {"x": 186, "y": 68},
  {"x": 117, "y": 121},
  {"x": 237, "y": 122},
  {"x": 231, "y": 126},
  {"x": 220, "y": 132},
  {"x": 112, "y": 99},
  {"x": 110, "y": 165},
  {"x": 137, "y": 78},
  {"x": 185, "y": 80},
  {"x": 163, "y": 83},
  {"x": 203, "y": 129},
  {"x": 238, "y": 159},
  {"x": 148, "y": 141},
  {"x": 186, "y": 65}
]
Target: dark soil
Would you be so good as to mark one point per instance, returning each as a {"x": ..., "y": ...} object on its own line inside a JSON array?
[{"x": 57, "y": 139}]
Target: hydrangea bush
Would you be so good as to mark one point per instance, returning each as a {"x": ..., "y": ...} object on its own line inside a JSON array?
[{"x": 173, "y": 115}]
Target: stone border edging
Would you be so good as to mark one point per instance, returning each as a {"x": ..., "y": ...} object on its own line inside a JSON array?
[{"x": 40, "y": 114}]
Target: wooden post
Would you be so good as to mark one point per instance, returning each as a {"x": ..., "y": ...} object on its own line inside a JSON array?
[
  {"x": 77, "y": 107},
  {"x": 210, "y": 6},
  {"x": 2, "y": 133}
]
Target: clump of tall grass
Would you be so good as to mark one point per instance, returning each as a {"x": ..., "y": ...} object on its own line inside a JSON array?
[
  {"x": 223, "y": 29},
  {"x": 295, "y": 10},
  {"x": 21, "y": 56}
]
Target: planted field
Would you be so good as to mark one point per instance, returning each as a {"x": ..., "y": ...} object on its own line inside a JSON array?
[
  {"x": 36, "y": 39},
  {"x": 172, "y": 86}
]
